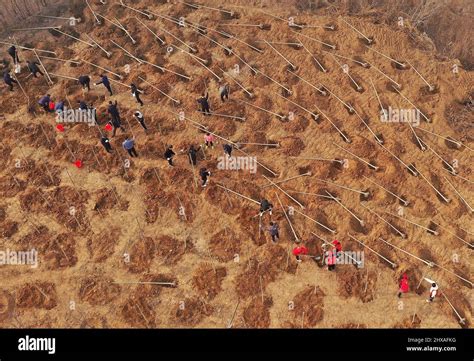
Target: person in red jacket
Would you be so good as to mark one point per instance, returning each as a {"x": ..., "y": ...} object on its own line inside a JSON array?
[
  {"x": 299, "y": 251},
  {"x": 338, "y": 246},
  {"x": 403, "y": 285},
  {"x": 330, "y": 258}
]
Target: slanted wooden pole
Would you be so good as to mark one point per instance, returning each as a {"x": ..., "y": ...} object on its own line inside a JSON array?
[
  {"x": 344, "y": 137},
  {"x": 459, "y": 195},
  {"x": 405, "y": 202},
  {"x": 107, "y": 53},
  {"x": 102, "y": 68},
  {"x": 73, "y": 37},
  {"x": 315, "y": 221},
  {"x": 42, "y": 65},
  {"x": 414, "y": 223},
  {"x": 394, "y": 265},
  {"x": 151, "y": 31},
  {"x": 413, "y": 105},
  {"x": 286, "y": 193},
  {"x": 177, "y": 102},
  {"x": 365, "y": 194},
  {"x": 287, "y": 179},
  {"x": 320, "y": 159},
  {"x": 315, "y": 116},
  {"x": 316, "y": 40},
  {"x": 322, "y": 92},
  {"x": 293, "y": 67},
  {"x": 428, "y": 263},
  {"x": 374, "y": 167},
  {"x": 323, "y": 69},
  {"x": 148, "y": 15},
  {"x": 462, "y": 320},
  {"x": 369, "y": 41},
  {"x": 239, "y": 194},
  {"x": 403, "y": 235},
  {"x": 297, "y": 240},
  {"x": 386, "y": 56},
  {"x": 361, "y": 222},
  {"x": 93, "y": 13},
  {"x": 262, "y": 109}
]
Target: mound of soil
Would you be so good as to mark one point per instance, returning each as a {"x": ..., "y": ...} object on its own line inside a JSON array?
[
  {"x": 37, "y": 295},
  {"x": 98, "y": 291},
  {"x": 207, "y": 280}
]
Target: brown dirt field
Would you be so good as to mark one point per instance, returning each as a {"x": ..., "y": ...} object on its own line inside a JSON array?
[{"x": 107, "y": 233}]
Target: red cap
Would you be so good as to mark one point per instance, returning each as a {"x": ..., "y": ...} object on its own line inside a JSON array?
[
  {"x": 60, "y": 128},
  {"x": 108, "y": 126},
  {"x": 78, "y": 163}
]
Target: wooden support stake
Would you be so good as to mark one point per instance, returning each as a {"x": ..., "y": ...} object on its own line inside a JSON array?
[
  {"x": 405, "y": 202},
  {"x": 323, "y": 69},
  {"x": 361, "y": 222},
  {"x": 240, "y": 195},
  {"x": 394, "y": 265},
  {"x": 287, "y": 179},
  {"x": 460, "y": 195},
  {"x": 369, "y": 41},
  {"x": 413, "y": 105},
  {"x": 386, "y": 56},
  {"x": 321, "y": 159},
  {"x": 149, "y": 16},
  {"x": 73, "y": 37},
  {"x": 403, "y": 235},
  {"x": 297, "y": 240},
  {"x": 42, "y": 65},
  {"x": 151, "y": 31},
  {"x": 93, "y": 13},
  {"x": 374, "y": 167},
  {"x": 398, "y": 85},
  {"x": 315, "y": 116},
  {"x": 315, "y": 221},
  {"x": 316, "y": 40},
  {"x": 107, "y": 53},
  {"x": 430, "y": 87},
  {"x": 307, "y": 82},
  {"x": 462, "y": 320},
  {"x": 365, "y": 194},
  {"x": 293, "y": 67},
  {"x": 177, "y": 102},
  {"x": 315, "y": 194},
  {"x": 346, "y": 139},
  {"x": 262, "y": 109},
  {"x": 102, "y": 68},
  {"x": 282, "y": 190},
  {"x": 415, "y": 224}
]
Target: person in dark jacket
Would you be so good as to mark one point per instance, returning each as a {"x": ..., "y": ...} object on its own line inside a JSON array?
[
  {"x": 204, "y": 173},
  {"x": 169, "y": 154},
  {"x": 106, "y": 143},
  {"x": 59, "y": 107},
  {"x": 273, "y": 229},
  {"x": 136, "y": 93},
  {"x": 204, "y": 102},
  {"x": 85, "y": 81},
  {"x": 33, "y": 68},
  {"x": 224, "y": 92},
  {"x": 105, "y": 82},
  {"x": 139, "y": 117},
  {"x": 9, "y": 80},
  {"x": 14, "y": 54},
  {"x": 265, "y": 206},
  {"x": 192, "y": 153},
  {"x": 113, "y": 111},
  {"x": 82, "y": 105},
  {"x": 44, "y": 102},
  {"x": 129, "y": 146},
  {"x": 227, "y": 149}
]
